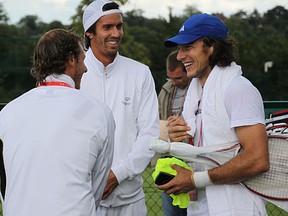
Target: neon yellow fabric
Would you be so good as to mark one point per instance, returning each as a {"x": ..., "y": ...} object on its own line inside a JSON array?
[{"x": 164, "y": 165}]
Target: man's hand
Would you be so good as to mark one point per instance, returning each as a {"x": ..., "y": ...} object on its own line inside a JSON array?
[
  {"x": 177, "y": 129},
  {"x": 111, "y": 184},
  {"x": 181, "y": 183}
]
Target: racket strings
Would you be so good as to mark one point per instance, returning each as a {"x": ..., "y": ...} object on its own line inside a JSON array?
[{"x": 274, "y": 183}]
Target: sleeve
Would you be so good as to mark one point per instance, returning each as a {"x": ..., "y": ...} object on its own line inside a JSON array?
[
  {"x": 148, "y": 129},
  {"x": 102, "y": 148},
  {"x": 244, "y": 104},
  {"x": 160, "y": 104},
  {"x": 164, "y": 100}
]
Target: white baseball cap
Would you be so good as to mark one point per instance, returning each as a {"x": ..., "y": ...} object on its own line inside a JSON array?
[{"x": 94, "y": 11}]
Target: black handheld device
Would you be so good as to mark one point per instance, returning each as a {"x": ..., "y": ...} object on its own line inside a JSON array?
[{"x": 163, "y": 178}]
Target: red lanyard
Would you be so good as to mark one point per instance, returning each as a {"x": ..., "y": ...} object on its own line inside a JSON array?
[
  {"x": 200, "y": 136},
  {"x": 54, "y": 84},
  {"x": 200, "y": 133}
]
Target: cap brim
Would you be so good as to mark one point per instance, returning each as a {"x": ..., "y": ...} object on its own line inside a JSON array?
[{"x": 180, "y": 40}]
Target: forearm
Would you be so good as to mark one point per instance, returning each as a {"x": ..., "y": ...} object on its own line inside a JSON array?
[
  {"x": 240, "y": 168},
  {"x": 135, "y": 162},
  {"x": 251, "y": 161}
]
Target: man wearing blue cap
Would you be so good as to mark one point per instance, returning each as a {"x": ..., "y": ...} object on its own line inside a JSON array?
[{"x": 221, "y": 106}]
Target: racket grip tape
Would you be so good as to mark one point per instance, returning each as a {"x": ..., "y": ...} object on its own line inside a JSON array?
[{"x": 201, "y": 179}]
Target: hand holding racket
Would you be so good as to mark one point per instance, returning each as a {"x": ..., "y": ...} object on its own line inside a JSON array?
[
  {"x": 271, "y": 185},
  {"x": 212, "y": 155}
]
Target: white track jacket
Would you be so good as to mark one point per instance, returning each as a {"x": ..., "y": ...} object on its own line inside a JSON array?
[
  {"x": 57, "y": 151},
  {"x": 128, "y": 88}
]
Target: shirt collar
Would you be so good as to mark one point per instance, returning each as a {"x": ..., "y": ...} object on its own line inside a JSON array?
[{"x": 60, "y": 78}]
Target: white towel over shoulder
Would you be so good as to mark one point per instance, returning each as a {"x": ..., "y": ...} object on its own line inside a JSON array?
[{"x": 215, "y": 118}]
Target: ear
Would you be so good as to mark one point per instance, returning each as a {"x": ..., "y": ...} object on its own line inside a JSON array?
[
  {"x": 71, "y": 60},
  {"x": 89, "y": 35},
  {"x": 211, "y": 50}
]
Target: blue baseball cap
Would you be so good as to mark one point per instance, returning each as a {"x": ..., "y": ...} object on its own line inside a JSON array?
[{"x": 197, "y": 26}]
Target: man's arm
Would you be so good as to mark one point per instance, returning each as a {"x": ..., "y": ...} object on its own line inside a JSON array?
[
  {"x": 148, "y": 129},
  {"x": 102, "y": 146},
  {"x": 253, "y": 160}
]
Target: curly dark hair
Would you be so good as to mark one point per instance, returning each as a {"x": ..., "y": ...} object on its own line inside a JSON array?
[
  {"x": 52, "y": 52},
  {"x": 225, "y": 50}
]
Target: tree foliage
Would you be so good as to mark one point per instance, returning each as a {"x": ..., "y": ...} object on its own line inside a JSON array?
[
  {"x": 261, "y": 38},
  {"x": 3, "y": 15}
]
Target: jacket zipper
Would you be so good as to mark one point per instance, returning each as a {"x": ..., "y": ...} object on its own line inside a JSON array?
[{"x": 104, "y": 86}]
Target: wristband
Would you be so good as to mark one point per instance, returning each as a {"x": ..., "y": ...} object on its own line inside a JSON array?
[
  {"x": 201, "y": 179},
  {"x": 169, "y": 149}
]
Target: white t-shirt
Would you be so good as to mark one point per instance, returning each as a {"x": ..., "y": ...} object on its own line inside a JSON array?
[{"x": 244, "y": 106}]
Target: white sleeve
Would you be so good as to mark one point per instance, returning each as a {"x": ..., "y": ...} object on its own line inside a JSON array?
[
  {"x": 244, "y": 103},
  {"x": 102, "y": 148},
  {"x": 148, "y": 129}
]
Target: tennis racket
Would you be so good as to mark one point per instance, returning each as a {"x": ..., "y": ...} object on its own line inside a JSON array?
[
  {"x": 272, "y": 185},
  {"x": 212, "y": 156},
  {"x": 278, "y": 117}
]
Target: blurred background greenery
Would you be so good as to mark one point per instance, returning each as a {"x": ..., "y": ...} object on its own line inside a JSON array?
[{"x": 261, "y": 38}]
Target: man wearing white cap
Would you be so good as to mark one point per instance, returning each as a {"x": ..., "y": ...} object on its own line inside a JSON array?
[
  {"x": 128, "y": 88},
  {"x": 221, "y": 106}
]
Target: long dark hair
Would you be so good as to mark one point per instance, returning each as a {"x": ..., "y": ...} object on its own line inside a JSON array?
[{"x": 225, "y": 50}]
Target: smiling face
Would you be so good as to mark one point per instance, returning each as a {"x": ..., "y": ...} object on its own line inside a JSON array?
[
  {"x": 106, "y": 41},
  {"x": 195, "y": 57}
]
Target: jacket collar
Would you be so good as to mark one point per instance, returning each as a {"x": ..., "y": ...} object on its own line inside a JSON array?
[{"x": 98, "y": 66}]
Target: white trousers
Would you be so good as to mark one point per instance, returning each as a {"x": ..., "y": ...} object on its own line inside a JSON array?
[{"x": 137, "y": 208}]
